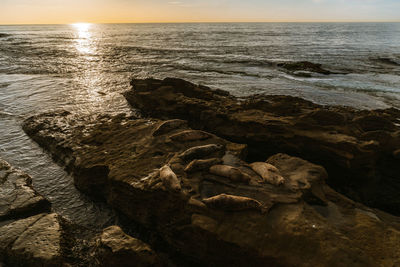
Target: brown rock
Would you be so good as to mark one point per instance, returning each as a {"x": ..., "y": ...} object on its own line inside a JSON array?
[
  {"x": 17, "y": 198},
  {"x": 302, "y": 223},
  {"x": 116, "y": 248},
  {"x": 34, "y": 241}
]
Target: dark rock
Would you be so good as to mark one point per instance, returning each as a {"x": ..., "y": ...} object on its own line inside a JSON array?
[
  {"x": 356, "y": 147},
  {"x": 115, "y": 248},
  {"x": 387, "y": 61},
  {"x": 17, "y": 198},
  {"x": 304, "y": 66},
  {"x": 213, "y": 220}
]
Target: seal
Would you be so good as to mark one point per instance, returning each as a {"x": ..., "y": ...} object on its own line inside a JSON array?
[
  {"x": 230, "y": 172},
  {"x": 200, "y": 151},
  {"x": 201, "y": 164},
  {"x": 168, "y": 126},
  {"x": 232, "y": 203},
  {"x": 269, "y": 173},
  {"x": 190, "y": 135},
  {"x": 169, "y": 178}
]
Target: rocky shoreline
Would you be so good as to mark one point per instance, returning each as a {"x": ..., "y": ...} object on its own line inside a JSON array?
[
  {"x": 209, "y": 179},
  {"x": 359, "y": 148}
]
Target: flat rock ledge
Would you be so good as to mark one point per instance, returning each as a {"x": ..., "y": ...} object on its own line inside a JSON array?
[
  {"x": 17, "y": 198},
  {"x": 360, "y": 149},
  {"x": 200, "y": 195},
  {"x": 29, "y": 235}
]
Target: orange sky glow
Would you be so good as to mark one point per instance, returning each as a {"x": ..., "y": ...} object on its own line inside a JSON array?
[{"x": 124, "y": 11}]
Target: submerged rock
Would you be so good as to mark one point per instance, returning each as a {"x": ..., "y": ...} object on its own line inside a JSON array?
[
  {"x": 358, "y": 148},
  {"x": 214, "y": 220},
  {"x": 302, "y": 66}
]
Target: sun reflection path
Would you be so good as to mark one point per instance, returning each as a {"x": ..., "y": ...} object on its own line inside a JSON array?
[
  {"x": 88, "y": 78},
  {"x": 84, "y": 43}
]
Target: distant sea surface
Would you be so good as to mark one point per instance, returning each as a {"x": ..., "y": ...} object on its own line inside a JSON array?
[{"x": 85, "y": 68}]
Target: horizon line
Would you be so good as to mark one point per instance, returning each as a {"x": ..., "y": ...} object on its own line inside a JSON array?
[{"x": 200, "y": 22}]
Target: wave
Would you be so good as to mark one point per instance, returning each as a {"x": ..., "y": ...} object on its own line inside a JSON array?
[
  {"x": 218, "y": 71},
  {"x": 247, "y": 62},
  {"x": 151, "y": 49}
]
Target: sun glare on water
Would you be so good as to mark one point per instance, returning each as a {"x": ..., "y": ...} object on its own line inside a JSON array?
[
  {"x": 84, "y": 37},
  {"x": 82, "y": 26}
]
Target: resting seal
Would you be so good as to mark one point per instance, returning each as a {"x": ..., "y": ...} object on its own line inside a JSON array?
[
  {"x": 169, "y": 178},
  {"x": 230, "y": 172},
  {"x": 190, "y": 135},
  {"x": 168, "y": 126},
  {"x": 200, "y": 151},
  {"x": 268, "y": 172},
  {"x": 232, "y": 203},
  {"x": 201, "y": 164}
]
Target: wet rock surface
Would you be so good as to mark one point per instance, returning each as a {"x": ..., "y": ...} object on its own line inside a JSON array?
[
  {"x": 17, "y": 198},
  {"x": 31, "y": 235},
  {"x": 198, "y": 194},
  {"x": 359, "y": 148}
]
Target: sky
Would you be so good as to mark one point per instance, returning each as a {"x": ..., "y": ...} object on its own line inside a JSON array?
[{"x": 125, "y": 11}]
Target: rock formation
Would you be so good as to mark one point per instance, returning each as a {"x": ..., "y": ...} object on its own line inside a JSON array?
[
  {"x": 359, "y": 148},
  {"x": 115, "y": 248},
  {"x": 171, "y": 186},
  {"x": 32, "y": 235},
  {"x": 17, "y": 198},
  {"x": 29, "y": 235}
]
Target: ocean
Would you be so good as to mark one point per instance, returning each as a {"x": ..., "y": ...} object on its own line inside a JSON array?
[{"x": 84, "y": 68}]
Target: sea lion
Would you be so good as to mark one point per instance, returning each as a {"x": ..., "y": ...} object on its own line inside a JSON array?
[
  {"x": 190, "y": 135},
  {"x": 169, "y": 178},
  {"x": 201, "y": 164},
  {"x": 200, "y": 151},
  {"x": 168, "y": 126},
  {"x": 232, "y": 203},
  {"x": 230, "y": 172},
  {"x": 268, "y": 172}
]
